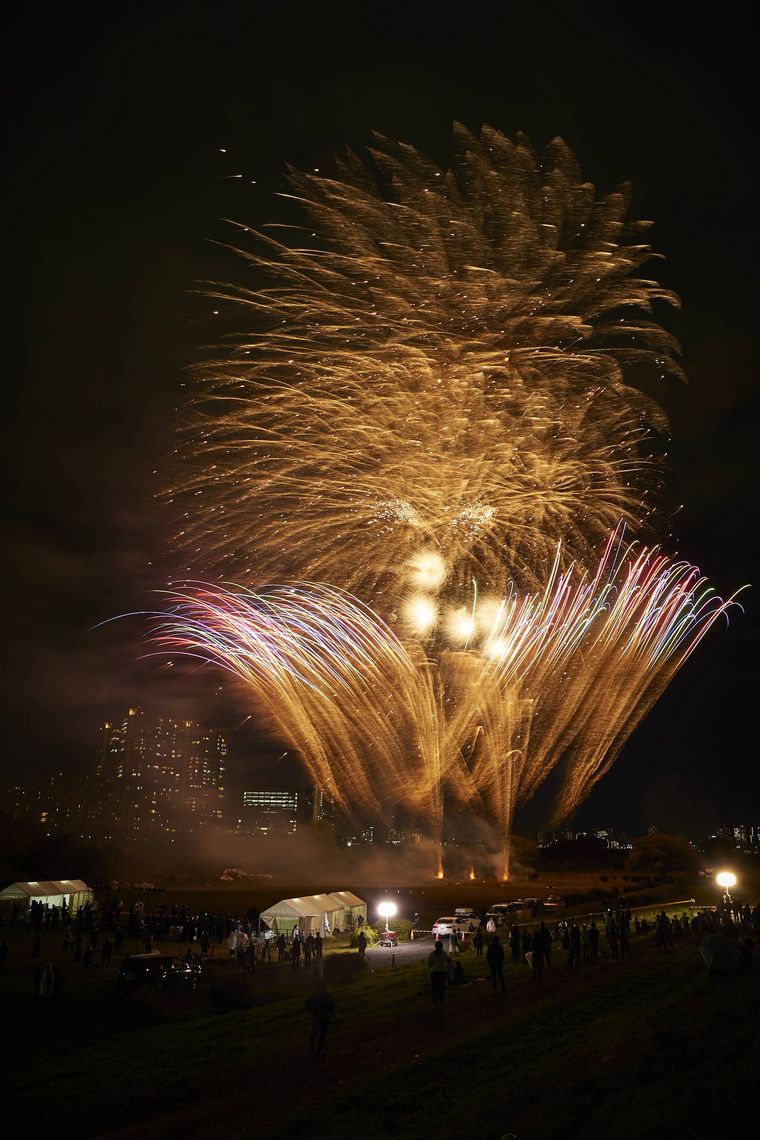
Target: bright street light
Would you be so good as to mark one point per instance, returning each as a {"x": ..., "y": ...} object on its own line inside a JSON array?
[
  {"x": 386, "y": 910},
  {"x": 727, "y": 880}
]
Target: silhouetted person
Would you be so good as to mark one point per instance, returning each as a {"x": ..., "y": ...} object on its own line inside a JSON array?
[
  {"x": 495, "y": 959},
  {"x": 478, "y": 941},
  {"x": 106, "y": 952},
  {"x": 361, "y": 943},
  {"x": 574, "y": 959},
  {"x": 296, "y": 952},
  {"x": 593, "y": 938},
  {"x": 318, "y": 946},
  {"x": 321, "y": 1007},
  {"x": 545, "y": 943},
  {"x": 438, "y": 965},
  {"x": 662, "y": 931},
  {"x": 280, "y": 944}
]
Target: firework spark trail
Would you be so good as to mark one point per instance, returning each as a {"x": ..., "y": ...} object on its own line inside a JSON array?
[
  {"x": 557, "y": 678},
  {"x": 442, "y": 369},
  {"x": 432, "y": 411},
  {"x": 333, "y": 678}
]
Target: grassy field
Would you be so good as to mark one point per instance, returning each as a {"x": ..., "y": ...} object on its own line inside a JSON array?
[{"x": 607, "y": 1051}]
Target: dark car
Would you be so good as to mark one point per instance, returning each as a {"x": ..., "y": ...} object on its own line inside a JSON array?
[{"x": 159, "y": 970}]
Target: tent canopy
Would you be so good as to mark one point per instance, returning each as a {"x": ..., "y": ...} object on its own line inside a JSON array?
[
  {"x": 46, "y": 888},
  {"x": 348, "y": 899},
  {"x": 323, "y": 912},
  {"x": 51, "y": 891}
]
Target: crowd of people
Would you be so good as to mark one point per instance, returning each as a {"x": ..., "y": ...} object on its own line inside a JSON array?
[{"x": 584, "y": 941}]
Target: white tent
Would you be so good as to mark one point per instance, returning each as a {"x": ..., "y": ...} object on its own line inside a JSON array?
[
  {"x": 50, "y": 892},
  {"x": 353, "y": 907},
  {"x": 311, "y": 913}
]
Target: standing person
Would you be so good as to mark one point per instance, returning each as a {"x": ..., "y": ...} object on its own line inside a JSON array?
[
  {"x": 308, "y": 949},
  {"x": 543, "y": 935},
  {"x": 662, "y": 931},
  {"x": 478, "y": 941},
  {"x": 495, "y": 959},
  {"x": 527, "y": 943},
  {"x": 514, "y": 942},
  {"x": 318, "y": 946},
  {"x": 438, "y": 965},
  {"x": 105, "y": 953},
  {"x": 593, "y": 940},
  {"x": 280, "y": 944},
  {"x": 361, "y": 942},
  {"x": 574, "y": 960},
  {"x": 321, "y": 1007},
  {"x": 296, "y": 951}
]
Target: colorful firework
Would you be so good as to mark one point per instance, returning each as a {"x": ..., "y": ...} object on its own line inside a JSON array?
[
  {"x": 432, "y": 406},
  {"x": 437, "y": 373},
  {"x": 560, "y": 677}
]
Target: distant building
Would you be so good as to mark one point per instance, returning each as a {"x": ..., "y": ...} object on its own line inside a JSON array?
[
  {"x": 164, "y": 775},
  {"x": 272, "y": 813},
  {"x": 743, "y": 835}
]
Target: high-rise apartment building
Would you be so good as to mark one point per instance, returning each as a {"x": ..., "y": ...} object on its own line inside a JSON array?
[{"x": 164, "y": 775}]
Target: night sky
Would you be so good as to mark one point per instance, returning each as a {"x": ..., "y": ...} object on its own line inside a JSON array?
[{"x": 117, "y": 189}]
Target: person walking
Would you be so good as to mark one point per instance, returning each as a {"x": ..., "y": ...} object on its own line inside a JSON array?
[
  {"x": 438, "y": 965},
  {"x": 495, "y": 959},
  {"x": 321, "y": 1007}
]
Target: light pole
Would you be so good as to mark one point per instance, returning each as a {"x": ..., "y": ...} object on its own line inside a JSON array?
[
  {"x": 727, "y": 880},
  {"x": 386, "y": 910}
]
